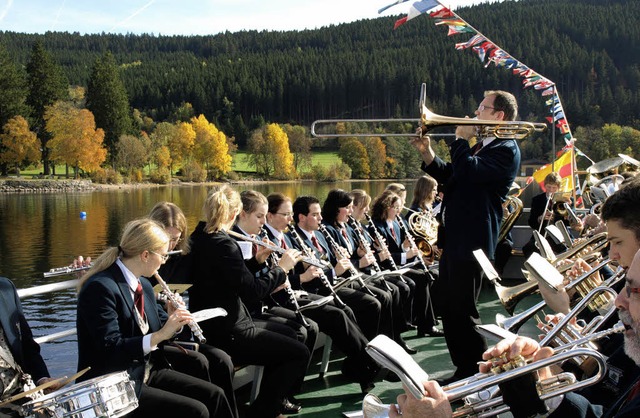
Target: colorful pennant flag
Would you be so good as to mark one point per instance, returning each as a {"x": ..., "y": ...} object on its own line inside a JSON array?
[{"x": 484, "y": 48}]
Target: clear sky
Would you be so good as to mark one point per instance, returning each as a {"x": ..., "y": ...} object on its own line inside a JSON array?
[{"x": 189, "y": 17}]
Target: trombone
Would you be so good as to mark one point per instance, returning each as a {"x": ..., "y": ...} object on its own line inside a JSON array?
[{"x": 429, "y": 121}]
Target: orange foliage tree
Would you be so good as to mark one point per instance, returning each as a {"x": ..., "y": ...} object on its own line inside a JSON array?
[
  {"x": 76, "y": 141},
  {"x": 20, "y": 145}
]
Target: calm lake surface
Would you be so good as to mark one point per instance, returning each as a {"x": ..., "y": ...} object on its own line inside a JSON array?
[{"x": 43, "y": 231}]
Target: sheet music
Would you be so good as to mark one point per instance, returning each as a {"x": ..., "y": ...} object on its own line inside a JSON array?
[
  {"x": 390, "y": 355},
  {"x": 544, "y": 272},
  {"x": 486, "y": 265}
]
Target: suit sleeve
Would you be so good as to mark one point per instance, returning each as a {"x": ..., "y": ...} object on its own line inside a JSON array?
[
  {"x": 99, "y": 309},
  {"x": 33, "y": 362}
]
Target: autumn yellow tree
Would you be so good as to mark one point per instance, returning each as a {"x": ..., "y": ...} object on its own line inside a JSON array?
[
  {"x": 377, "y": 153},
  {"x": 211, "y": 149},
  {"x": 20, "y": 146},
  {"x": 269, "y": 152},
  {"x": 76, "y": 141}
]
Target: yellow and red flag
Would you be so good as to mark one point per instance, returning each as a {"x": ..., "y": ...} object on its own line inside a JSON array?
[{"x": 563, "y": 166}]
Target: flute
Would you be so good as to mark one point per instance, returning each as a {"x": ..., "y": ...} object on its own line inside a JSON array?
[
  {"x": 287, "y": 289},
  {"x": 195, "y": 328},
  {"x": 61, "y": 271},
  {"x": 275, "y": 248},
  {"x": 310, "y": 254}
]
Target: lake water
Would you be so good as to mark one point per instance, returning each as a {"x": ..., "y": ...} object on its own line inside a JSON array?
[{"x": 43, "y": 231}]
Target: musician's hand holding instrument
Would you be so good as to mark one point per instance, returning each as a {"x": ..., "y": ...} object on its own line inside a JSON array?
[
  {"x": 311, "y": 273},
  {"x": 177, "y": 319},
  {"x": 520, "y": 349},
  {"x": 262, "y": 253},
  {"x": 289, "y": 259}
]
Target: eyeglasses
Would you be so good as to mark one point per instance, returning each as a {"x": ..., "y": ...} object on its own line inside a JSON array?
[
  {"x": 176, "y": 239},
  {"x": 631, "y": 290},
  {"x": 164, "y": 257},
  {"x": 396, "y": 207},
  {"x": 285, "y": 214},
  {"x": 483, "y": 107}
]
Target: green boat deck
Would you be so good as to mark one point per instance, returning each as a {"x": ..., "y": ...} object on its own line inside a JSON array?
[{"x": 332, "y": 395}]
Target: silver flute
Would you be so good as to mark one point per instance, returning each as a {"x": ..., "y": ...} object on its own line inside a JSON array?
[
  {"x": 61, "y": 271},
  {"x": 195, "y": 328},
  {"x": 287, "y": 289}
]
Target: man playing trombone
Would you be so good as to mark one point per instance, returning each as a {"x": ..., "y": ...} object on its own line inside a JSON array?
[{"x": 476, "y": 184}]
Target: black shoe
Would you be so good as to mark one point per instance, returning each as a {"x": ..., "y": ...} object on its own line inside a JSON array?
[
  {"x": 290, "y": 408},
  {"x": 366, "y": 387},
  {"x": 405, "y": 347},
  {"x": 391, "y": 377},
  {"x": 435, "y": 332}
]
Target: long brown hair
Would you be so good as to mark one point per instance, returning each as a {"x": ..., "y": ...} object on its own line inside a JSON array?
[
  {"x": 171, "y": 216},
  {"x": 422, "y": 191}
]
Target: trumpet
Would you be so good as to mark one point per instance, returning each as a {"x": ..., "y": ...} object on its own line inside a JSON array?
[
  {"x": 513, "y": 323},
  {"x": 372, "y": 407},
  {"x": 61, "y": 271},
  {"x": 195, "y": 328},
  {"x": 275, "y": 248}
]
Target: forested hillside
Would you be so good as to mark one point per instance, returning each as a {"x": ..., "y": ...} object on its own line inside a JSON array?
[{"x": 590, "y": 48}]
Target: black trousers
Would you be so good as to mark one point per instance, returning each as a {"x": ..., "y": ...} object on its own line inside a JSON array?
[
  {"x": 208, "y": 363},
  {"x": 366, "y": 308},
  {"x": 423, "y": 314},
  {"x": 285, "y": 360},
  {"x": 171, "y": 393},
  {"x": 406, "y": 288},
  {"x": 462, "y": 280}
]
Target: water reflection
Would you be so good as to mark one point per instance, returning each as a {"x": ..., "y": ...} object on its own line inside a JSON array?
[{"x": 44, "y": 231}]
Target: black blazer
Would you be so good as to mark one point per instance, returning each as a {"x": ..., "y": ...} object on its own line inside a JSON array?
[
  {"x": 109, "y": 338},
  {"x": 221, "y": 279},
  {"x": 25, "y": 351},
  {"x": 475, "y": 188}
]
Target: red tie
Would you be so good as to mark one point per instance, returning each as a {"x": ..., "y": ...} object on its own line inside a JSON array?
[
  {"x": 393, "y": 233},
  {"x": 138, "y": 300},
  {"x": 283, "y": 244},
  {"x": 476, "y": 148},
  {"x": 316, "y": 244}
]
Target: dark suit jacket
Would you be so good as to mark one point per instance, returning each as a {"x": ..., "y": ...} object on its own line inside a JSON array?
[
  {"x": 26, "y": 352},
  {"x": 220, "y": 279},
  {"x": 576, "y": 406},
  {"x": 109, "y": 338},
  {"x": 475, "y": 188},
  {"x": 394, "y": 245}
]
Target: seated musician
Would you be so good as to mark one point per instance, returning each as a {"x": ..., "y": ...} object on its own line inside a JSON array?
[
  {"x": 260, "y": 303},
  {"x": 208, "y": 362},
  {"x": 339, "y": 324},
  {"x": 21, "y": 365},
  {"x": 366, "y": 308},
  {"x": 386, "y": 209},
  {"x": 545, "y": 212},
  {"x": 406, "y": 286},
  {"x": 120, "y": 325},
  {"x": 220, "y": 278},
  {"x": 336, "y": 210}
]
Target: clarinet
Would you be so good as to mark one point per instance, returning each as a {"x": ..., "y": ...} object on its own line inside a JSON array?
[
  {"x": 365, "y": 243},
  {"x": 339, "y": 253},
  {"x": 412, "y": 243},
  {"x": 380, "y": 239},
  {"x": 367, "y": 248},
  {"x": 310, "y": 254},
  {"x": 195, "y": 328},
  {"x": 273, "y": 257}
]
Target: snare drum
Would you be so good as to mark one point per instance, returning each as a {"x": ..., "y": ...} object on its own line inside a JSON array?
[{"x": 111, "y": 395}]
